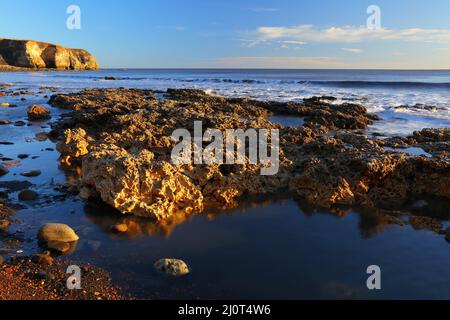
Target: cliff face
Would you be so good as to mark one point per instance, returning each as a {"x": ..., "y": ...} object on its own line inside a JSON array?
[{"x": 41, "y": 55}]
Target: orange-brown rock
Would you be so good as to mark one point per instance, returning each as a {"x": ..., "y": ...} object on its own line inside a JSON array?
[
  {"x": 36, "y": 112},
  {"x": 123, "y": 138},
  {"x": 41, "y": 55}
]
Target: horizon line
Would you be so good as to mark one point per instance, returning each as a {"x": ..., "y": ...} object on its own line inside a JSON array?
[{"x": 280, "y": 69}]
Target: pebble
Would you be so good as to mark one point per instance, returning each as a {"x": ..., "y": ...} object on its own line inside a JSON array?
[
  {"x": 20, "y": 123},
  {"x": 4, "y": 104},
  {"x": 31, "y": 174},
  {"x": 4, "y": 122},
  {"x": 23, "y": 156},
  {"x": 28, "y": 195},
  {"x": 172, "y": 267}
]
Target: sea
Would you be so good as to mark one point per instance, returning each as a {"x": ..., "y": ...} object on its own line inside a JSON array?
[{"x": 276, "y": 248}]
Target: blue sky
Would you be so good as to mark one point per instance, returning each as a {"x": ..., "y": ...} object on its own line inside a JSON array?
[{"x": 238, "y": 34}]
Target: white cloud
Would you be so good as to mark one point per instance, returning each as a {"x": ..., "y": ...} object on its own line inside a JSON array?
[
  {"x": 352, "y": 50},
  {"x": 294, "y": 42},
  {"x": 347, "y": 34}
]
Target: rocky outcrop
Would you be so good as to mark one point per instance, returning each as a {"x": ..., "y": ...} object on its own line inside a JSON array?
[
  {"x": 122, "y": 140},
  {"x": 41, "y": 55}
]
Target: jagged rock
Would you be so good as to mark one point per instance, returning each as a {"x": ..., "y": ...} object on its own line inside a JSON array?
[
  {"x": 123, "y": 139},
  {"x": 74, "y": 145},
  {"x": 137, "y": 184},
  {"x": 432, "y": 135},
  {"x": 41, "y": 55},
  {"x": 36, "y": 113}
]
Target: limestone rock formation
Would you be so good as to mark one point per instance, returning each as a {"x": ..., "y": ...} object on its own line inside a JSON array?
[
  {"x": 122, "y": 139},
  {"x": 40, "y": 55}
]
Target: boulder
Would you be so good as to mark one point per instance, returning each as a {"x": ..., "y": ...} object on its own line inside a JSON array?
[
  {"x": 54, "y": 232},
  {"x": 36, "y": 112},
  {"x": 40, "y": 55}
]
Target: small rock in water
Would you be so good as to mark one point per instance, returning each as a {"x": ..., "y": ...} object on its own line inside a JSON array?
[
  {"x": 36, "y": 112},
  {"x": 4, "y": 104},
  {"x": 20, "y": 123},
  {"x": 3, "y": 170},
  {"x": 23, "y": 156},
  {"x": 120, "y": 228},
  {"x": 172, "y": 267},
  {"x": 57, "y": 232},
  {"x": 31, "y": 174},
  {"x": 41, "y": 136},
  {"x": 4, "y": 122},
  {"x": 28, "y": 195}
]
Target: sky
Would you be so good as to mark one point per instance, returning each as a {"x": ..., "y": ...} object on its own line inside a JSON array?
[{"x": 293, "y": 34}]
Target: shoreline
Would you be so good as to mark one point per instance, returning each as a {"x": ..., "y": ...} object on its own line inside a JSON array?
[{"x": 313, "y": 135}]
